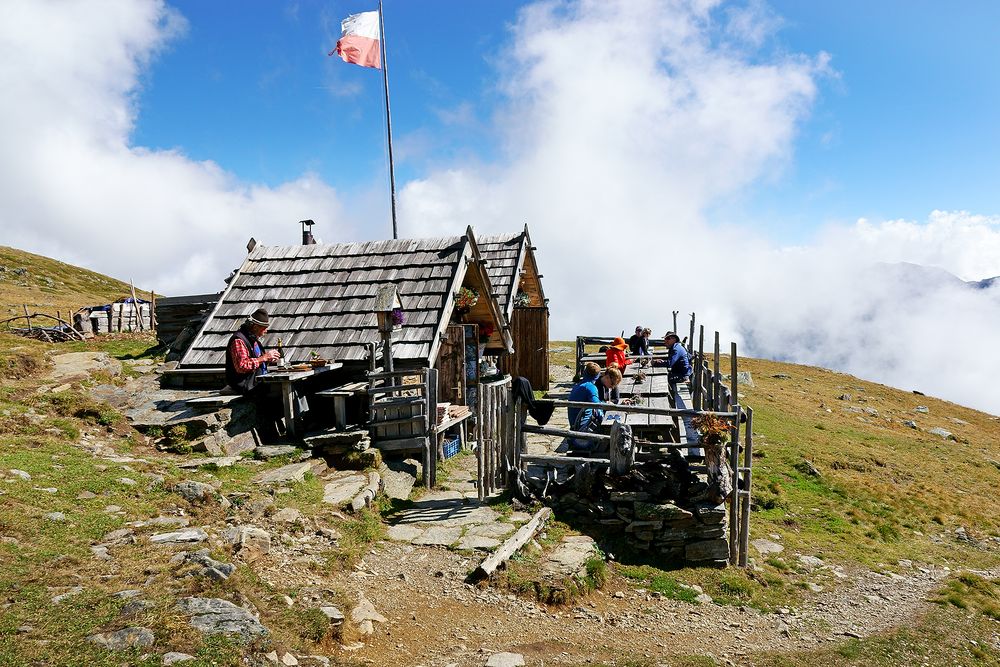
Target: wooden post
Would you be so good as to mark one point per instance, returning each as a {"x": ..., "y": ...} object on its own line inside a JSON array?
[
  {"x": 675, "y": 321},
  {"x": 734, "y": 384},
  {"x": 433, "y": 441},
  {"x": 691, "y": 337},
  {"x": 387, "y": 351},
  {"x": 480, "y": 450},
  {"x": 26, "y": 316},
  {"x": 717, "y": 378},
  {"x": 697, "y": 403},
  {"x": 734, "y": 499},
  {"x": 515, "y": 542},
  {"x": 152, "y": 310},
  {"x": 745, "y": 493},
  {"x": 135, "y": 307}
]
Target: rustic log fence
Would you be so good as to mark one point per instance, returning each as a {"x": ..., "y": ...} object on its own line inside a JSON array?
[
  {"x": 711, "y": 393},
  {"x": 497, "y": 448}
]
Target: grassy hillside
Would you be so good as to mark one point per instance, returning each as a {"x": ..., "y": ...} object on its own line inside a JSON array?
[{"x": 47, "y": 285}]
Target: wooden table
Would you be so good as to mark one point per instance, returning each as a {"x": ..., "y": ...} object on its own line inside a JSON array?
[{"x": 289, "y": 396}]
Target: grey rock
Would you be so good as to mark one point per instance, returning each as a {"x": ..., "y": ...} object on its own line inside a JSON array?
[
  {"x": 365, "y": 611},
  {"x": 342, "y": 489},
  {"x": 211, "y": 568},
  {"x": 717, "y": 549},
  {"x": 249, "y": 541},
  {"x": 844, "y": 397},
  {"x": 100, "y": 552},
  {"x": 922, "y": 409},
  {"x": 469, "y": 542},
  {"x": 442, "y": 536},
  {"x": 188, "y": 536},
  {"x": 113, "y": 509},
  {"x": 86, "y": 495},
  {"x": 126, "y": 638},
  {"x": 174, "y": 657},
  {"x": 217, "y": 461},
  {"x": 194, "y": 492},
  {"x": 212, "y": 615},
  {"x": 127, "y": 481},
  {"x": 294, "y": 472},
  {"x": 333, "y": 613},
  {"x": 127, "y": 594},
  {"x": 404, "y": 533},
  {"x": 810, "y": 562},
  {"x": 82, "y": 364},
  {"x": 937, "y": 430},
  {"x": 288, "y": 515},
  {"x": 398, "y": 478},
  {"x": 910, "y": 423},
  {"x": 505, "y": 660},
  {"x": 766, "y": 547},
  {"x": 76, "y": 590},
  {"x": 58, "y": 517},
  {"x": 21, "y": 474},
  {"x": 135, "y": 607},
  {"x": 267, "y": 452},
  {"x": 782, "y": 376},
  {"x": 703, "y": 598}
]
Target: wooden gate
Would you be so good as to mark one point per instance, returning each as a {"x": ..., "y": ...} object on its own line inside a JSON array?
[
  {"x": 403, "y": 408},
  {"x": 451, "y": 366},
  {"x": 497, "y": 453},
  {"x": 530, "y": 330}
]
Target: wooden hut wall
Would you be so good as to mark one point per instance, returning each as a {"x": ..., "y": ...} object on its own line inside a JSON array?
[
  {"x": 173, "y": 314},
  {"x": 531, "y": 347}
]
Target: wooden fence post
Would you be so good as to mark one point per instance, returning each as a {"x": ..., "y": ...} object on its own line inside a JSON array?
[
  {"x": 734, "y": 498},
  {"x": 745, "y": 493},
  {"x": 698, "y": 376},
  {"x": 716, "y": 378}
]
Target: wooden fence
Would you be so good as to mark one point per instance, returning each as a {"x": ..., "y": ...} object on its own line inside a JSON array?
[
  {"x": 498, "y": 452},
  {"x": 711, "y": 392}
]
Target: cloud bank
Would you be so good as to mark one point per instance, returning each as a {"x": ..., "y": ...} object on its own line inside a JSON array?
[
  {"x": 73, "y": 187},
  {"x": 622, "y": 122}
]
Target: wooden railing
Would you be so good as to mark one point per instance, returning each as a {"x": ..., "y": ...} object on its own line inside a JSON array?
[{"x": 711, "y": 392}]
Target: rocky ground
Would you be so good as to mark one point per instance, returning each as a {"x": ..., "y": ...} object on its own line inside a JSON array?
[{"x": 247, "y": 548}]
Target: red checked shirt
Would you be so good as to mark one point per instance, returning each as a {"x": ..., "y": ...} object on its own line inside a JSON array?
[{"x": 242, "y": 361}]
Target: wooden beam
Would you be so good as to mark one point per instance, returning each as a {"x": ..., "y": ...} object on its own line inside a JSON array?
[{"x": 511, "y": 546}]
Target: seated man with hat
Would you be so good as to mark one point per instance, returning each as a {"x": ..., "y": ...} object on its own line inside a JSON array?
[{"x": 246, "y": 358}]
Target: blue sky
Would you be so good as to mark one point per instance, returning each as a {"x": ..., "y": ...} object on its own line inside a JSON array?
[{"x": 904, "y": 122}]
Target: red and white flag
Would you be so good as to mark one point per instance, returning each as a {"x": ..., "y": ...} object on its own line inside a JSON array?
[{"x": 359, "y": 43}]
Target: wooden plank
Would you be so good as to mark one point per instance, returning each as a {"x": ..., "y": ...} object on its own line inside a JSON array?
[
  {"x": 396, "y": 387},
  {"x": 734, "y": 462},
  {"x": 400, "y": 444},
  {"x": 515, "y": 542}
]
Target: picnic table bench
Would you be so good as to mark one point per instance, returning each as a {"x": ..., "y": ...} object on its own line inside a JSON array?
[
  {"x": 340, "y": 395},
  {"x": 290, "y": 399}
]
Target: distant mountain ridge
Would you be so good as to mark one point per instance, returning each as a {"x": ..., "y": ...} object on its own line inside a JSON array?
[{"x": 920, "y": 276}]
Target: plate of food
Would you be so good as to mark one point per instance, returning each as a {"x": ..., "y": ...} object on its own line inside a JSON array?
[{"x": 299, "y": 367}]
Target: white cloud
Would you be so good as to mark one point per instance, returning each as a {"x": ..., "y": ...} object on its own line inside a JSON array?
[
  {"x": 625, "y": 120},
  {"x": 74, "y": 187}
]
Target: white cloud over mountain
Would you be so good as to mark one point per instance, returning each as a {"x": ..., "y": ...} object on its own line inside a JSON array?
[
  {"x": 622, "y": 122},
  {"x": 73, "y": 187}
]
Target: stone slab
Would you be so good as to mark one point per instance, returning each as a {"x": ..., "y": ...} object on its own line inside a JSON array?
[
  {"x": 341, "y": 490},
  {"x": 404, "y": 533},
  {"x": 440, "y": 536},
  {"x": 293, "y": 472}
]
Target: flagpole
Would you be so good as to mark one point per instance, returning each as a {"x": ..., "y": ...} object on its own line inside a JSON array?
[{"x": 388, "y": 120}]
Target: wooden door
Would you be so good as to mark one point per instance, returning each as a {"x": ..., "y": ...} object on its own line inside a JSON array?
[
  {"x": 530, "y": 331},
  {"x": 451, "y": 367}
]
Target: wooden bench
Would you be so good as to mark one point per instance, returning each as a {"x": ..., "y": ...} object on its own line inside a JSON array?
[{"x": 340, "y": 395}]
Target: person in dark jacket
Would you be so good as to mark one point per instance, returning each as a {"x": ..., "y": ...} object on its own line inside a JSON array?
[
  {"x": 595, "y": 387},
  {"x": 246, "y": 358},
  {"x": 679, "y": 361},
  {"x": 638, "y": 343}
]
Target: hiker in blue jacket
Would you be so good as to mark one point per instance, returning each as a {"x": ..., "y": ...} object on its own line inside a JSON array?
[
  {"x": 594, "y": 386},
  {"x": 679, "y": 363}
]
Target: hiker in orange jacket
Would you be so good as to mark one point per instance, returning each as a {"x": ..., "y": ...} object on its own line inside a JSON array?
[{"x": 616, "y": 354}]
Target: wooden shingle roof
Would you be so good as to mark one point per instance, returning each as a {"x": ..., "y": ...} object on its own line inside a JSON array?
[
  {"x": 320, "y": 298},
  {"x": 505, "y": 256}
]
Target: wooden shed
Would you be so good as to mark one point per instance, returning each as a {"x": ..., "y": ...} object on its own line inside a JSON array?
[{"x": 513, "y": 271}]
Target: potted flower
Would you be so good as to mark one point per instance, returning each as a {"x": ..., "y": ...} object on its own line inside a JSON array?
[
  {"x": 521, "y": 299},
  {"x": 486, "y": 330},
  {"x": 398, "y": 318},
  {"x": 465, "y": 299}
]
